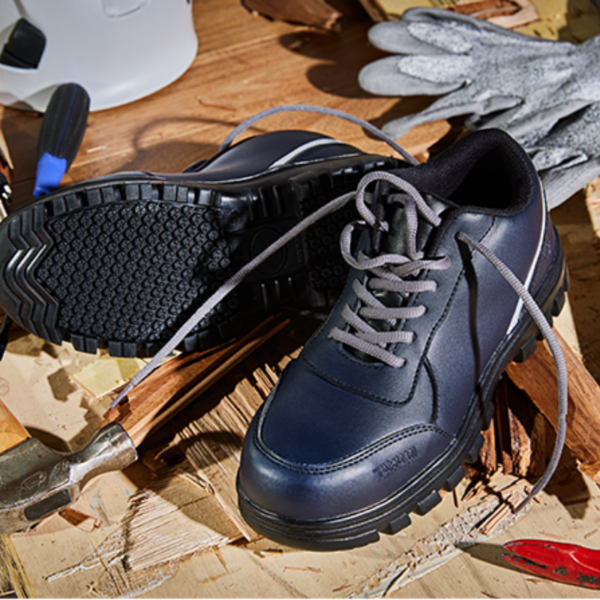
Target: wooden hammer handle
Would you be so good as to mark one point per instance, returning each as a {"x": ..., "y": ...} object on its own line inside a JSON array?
[{"x": 12, "y": 432}]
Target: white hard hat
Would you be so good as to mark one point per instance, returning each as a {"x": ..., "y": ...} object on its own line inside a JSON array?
[{"x": 118, "y": 50}]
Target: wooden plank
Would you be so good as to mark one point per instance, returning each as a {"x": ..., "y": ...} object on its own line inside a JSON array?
[
  {"x": 578, "y": 224},
  {"x": 537, "y": 377},
  {"x": 12, "y": 432}
]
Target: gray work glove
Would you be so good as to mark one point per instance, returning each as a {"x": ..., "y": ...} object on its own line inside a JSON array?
[
  {"x": 515, "y": 82},
  {"x": 568, "y": 157}
]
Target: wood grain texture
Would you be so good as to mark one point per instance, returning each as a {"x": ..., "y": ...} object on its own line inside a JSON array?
[
  {"x": 175, "y": 384},
  {"x": 13, "y": 580},
  {"x": 537, "y": 377}
]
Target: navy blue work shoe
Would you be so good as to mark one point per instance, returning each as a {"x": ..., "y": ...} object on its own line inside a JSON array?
[
  {"x": 388, "y": 399},
  {"x": 120, "y": 262}
]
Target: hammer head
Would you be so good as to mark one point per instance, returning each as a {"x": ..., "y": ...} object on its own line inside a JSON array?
[{"x": 36, "y": 481}]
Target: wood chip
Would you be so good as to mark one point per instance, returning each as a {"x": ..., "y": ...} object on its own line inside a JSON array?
[
  {"x": 178, "y": 382},
  {"x": 314, "y": 13},
  {"x": 309, "y": 569},
  {"x": 80, "y": 520},
  {"x": 164, "y": 524}
]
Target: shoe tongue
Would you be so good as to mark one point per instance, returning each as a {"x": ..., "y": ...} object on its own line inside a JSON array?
[{"x": 395, "y": 240}]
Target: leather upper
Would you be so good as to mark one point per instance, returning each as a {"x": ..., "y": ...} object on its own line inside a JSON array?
[{"x": 342, "y": 432}]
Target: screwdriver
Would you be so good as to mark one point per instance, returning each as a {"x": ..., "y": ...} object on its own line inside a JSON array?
[
  {"x": 61, "y": 133},
  {"x": 63, "y": 126}
]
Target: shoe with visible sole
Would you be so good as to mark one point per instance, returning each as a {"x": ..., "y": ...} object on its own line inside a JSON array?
[
  {"x": 388, "y": 399},
  {"x": 120, "y": 262}
]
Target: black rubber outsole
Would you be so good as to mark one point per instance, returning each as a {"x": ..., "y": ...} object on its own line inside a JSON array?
[
  {"x": 421, "y": 494},
  {"x": 121, "y": 264}
]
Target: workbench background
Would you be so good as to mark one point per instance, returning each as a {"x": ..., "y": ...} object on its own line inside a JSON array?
[{"x": 245, "y": 64}]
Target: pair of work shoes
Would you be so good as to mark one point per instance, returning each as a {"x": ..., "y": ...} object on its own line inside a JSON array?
[{"x": 435, "y": 269}]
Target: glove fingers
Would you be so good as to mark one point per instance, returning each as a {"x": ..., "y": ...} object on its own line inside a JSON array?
[
  {"x": 567, "y": 156},
  {"x": 453, "y": 105},
  {"x": 579, "y": 131},
  {"x": 395, "y": 37},
  {"x": 525, "y": 119},
  {"x": 399, "y": 37},
  {"x": 394, "y": 76},
  {"x": 561, "y": 157},
  {"x": 444, "y": 18},
  {"x": 561, "y": 184},
  {"x": 431, "y": 31}
]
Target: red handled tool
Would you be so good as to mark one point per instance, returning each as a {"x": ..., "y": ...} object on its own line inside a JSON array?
[{"x": 566, "y": 563}]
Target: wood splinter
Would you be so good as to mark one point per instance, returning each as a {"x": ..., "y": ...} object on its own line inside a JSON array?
[
  {"x": 537, "y": 378},
  {"x": 80, "y": 520}
]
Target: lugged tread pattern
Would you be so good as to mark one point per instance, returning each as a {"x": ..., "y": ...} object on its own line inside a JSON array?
[
  {"x": 122, "y": 264},
  {"x": 110, "y": 288},
  {"x": 327, "y": 274},
  {"x": 37, "y": 308}
]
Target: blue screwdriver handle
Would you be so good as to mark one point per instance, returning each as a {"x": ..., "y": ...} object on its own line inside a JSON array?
[{"x": 61, "y": 133}]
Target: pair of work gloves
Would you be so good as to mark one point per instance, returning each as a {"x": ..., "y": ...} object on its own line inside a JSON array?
[{"x": 545, "y": 94}]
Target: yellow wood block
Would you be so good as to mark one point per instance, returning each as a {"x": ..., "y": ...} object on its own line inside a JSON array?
[{"x": 106, "y": 374}]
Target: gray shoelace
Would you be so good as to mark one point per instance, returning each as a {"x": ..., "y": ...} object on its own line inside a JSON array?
[
  {"x": 389, "y": 270},
  {"x": 559, "y": 359}
]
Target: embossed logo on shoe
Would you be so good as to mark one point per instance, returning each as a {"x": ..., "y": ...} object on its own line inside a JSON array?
[{"x": 391, "y": 465}]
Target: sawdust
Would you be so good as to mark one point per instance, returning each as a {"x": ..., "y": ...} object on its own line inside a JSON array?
[
  {"x": 476, "y": 524},
  {"x": 162, "y": 527}
]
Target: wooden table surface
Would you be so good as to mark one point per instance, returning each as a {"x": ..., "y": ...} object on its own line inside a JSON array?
[{"x": 245, "y": 64}]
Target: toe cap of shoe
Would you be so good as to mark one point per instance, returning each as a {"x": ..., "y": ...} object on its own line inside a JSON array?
[{"x": 374, "y": 473}]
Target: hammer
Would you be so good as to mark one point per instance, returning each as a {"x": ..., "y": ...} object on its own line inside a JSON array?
[{"x": 36, "y": 481}]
